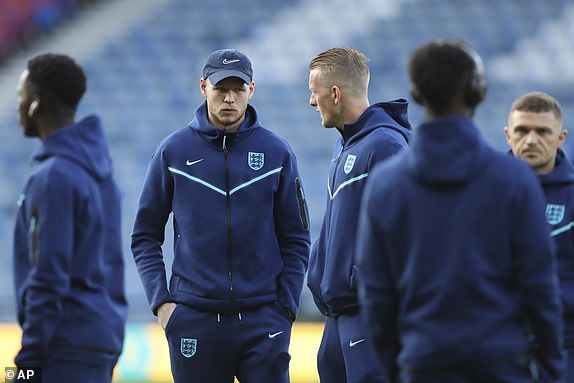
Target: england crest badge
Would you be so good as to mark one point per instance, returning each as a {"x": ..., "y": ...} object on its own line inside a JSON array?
[
  {"x": 555, "y": 213},
  {"x": 349, "y": 163},
  {"x": 256, "y": 160},
  {"x": 188, "y": 347}
]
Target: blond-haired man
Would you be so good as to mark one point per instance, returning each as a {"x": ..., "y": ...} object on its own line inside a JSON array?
[{"x": 368, "y": 134}]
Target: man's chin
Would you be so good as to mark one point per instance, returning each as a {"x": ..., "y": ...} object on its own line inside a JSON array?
[
  {"x": 31, "y": 133},
  {"x": 536, "y": 164},
  {"x": 531, "y": 158},
  {"x": 327, "y": 124}
]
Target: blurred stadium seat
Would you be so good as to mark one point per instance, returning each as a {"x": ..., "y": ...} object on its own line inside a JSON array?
[
  {"x": 22, "y": 21},
  {"x": 144, "y": 75}
]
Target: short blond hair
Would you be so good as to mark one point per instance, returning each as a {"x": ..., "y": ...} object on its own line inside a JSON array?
[{"x": 343, "y": 66}]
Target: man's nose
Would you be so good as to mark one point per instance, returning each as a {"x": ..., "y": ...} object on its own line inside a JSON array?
[
  {"x": 229, "y": 97},
  {"x": 531, "y": 138},
  {"x": 312, "y": 101}
]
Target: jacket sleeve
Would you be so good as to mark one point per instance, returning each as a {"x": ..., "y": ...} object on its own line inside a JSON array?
[
  {"x": 292, "y": 227},
  {"x": 375, "y": 284},
  {"x": 149, "y": 227},
  {"x": 536, "y": 273},
  {"x": 52, "y": 201}
]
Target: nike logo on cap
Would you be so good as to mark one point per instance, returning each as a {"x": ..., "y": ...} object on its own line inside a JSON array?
[
  {"x": 189, "y": 163},
  {"x": 271, "y": 336},
  {"x": 353, "y": 344},
  {"x": 226, "y": 61}
]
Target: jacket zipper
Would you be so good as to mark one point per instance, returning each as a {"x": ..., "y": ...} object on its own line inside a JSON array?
[
  {"x": 332, "y": 181},
  {"x": 228, "y": 203},
  {"x": 337, "y": 161}
]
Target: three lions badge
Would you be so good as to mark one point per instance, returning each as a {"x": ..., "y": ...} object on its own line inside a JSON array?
[
  {"x": 555, "y": 213},
  {"x": 255, "y": 160},
  {"x": 188, "y": 347},
  {"x": 349, "y": 163}
]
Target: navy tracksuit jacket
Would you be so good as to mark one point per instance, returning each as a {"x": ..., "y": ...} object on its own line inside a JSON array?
[
  {"x": 381, "y": 131},
  {"x": 68, "y": 262},
  {"x": 559, "y": 190},
  {"x": 241, "y": 232},
  {"x": 455, "y": 257}
]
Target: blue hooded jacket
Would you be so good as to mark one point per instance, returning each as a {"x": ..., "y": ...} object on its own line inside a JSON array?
[
  {"x": 455, "y": 256},
  {"x": 558, "y": 187},
  {"x": 380, "y": 132},
  {"x": 241, "y": 231},
  {"x": 68, "y": 261}
]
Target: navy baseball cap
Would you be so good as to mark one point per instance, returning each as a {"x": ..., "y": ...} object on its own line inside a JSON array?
[{"x": 226, "y": 63}]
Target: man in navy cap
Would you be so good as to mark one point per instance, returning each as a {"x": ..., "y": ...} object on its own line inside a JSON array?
[{"x": 241, "y": 236}]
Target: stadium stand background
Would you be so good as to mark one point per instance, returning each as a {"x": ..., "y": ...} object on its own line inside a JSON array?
[{"x": 144, "y": 58}]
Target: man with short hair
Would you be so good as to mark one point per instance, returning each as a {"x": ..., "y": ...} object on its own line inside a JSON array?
[
  {"x": 456, "y": 265},
  {"x": 535, "y": 134},
  {"x": 68, "y": 259},
  {"x": 368, "y": 134},
  {"x": 241, "y": 236}
]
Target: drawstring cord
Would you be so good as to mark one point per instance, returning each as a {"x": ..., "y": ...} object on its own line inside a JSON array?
[{"x": 219, "y": 318}]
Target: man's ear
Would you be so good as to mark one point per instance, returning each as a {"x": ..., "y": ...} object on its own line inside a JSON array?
[
  {"x": 33, "y": 108},
  {"x": 336, "y": 94},
  {"x": 202, "y": 86},
  {"x": 562, "y": 136},
  {"x": 251, "y": 89},
  {"x": 507, "y": 134}
]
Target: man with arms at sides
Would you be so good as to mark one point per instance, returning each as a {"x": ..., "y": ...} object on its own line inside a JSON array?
[
  {"x": 68, "y": 260},
  {"x": 338, "y": 82},
  {"x": 456, "y": 262},
  {"x": 241, "y": 236},
  {"x": 535, "y": 134}
]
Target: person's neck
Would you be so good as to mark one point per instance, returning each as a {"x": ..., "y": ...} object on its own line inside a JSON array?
[
  {"x": 50, "y": 124},
  {"x": 353, "y": 111},
  {"x": 547, "y": 169},
  {"x": 232, "y": 128},
  {"x": 457, "y": 108}
]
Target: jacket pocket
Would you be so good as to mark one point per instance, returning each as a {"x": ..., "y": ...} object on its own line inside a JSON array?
[
  {"x": 301, "y": 204},
  {"x": 33, "y": 233},
  {"x": 171, "y": 318},
  {"x": 284, "y": 311}
]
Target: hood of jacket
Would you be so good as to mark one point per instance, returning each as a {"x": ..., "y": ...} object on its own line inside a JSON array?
[
  {"x": 563, "y": 173},
  {"x": 394, "y": 116},
  {"x": 83, "y": 143},
  {"x": 446, "y": 151},
  {"x": 213, "y": 135}
]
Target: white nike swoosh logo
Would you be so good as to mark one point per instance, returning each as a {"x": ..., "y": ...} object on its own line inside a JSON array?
[
  {"x": 271, "y": 336},
  {"x": 189, "y": 163},
  {"x": 226, "y": 61},
  {"x": 353, "y": 344}
]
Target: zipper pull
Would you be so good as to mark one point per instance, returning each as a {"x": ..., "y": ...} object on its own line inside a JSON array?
[{"x": 225, "y": 142}]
